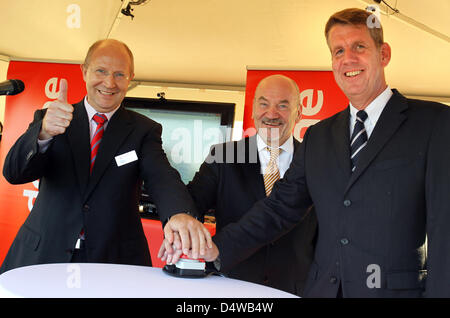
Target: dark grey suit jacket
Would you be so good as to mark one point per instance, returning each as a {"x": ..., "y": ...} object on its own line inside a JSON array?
[
  {"x": 104, "y": 204},
  {"x": 373, "y": 222},
  {"x": 230, "y": 182}
]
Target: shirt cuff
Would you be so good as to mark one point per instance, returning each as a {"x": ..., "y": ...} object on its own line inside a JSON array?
[{"x": 44, "y": 144}]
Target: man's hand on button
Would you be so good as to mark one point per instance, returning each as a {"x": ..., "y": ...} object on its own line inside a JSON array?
[
  {"x": 193, "y": 237},
  {"x": 210, "y": 255}
]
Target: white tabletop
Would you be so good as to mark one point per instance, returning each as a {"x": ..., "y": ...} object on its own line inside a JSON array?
[{"x": 122, "y": 281}]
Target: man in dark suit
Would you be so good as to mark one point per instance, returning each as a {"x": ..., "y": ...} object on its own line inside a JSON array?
[
  {"x": 232, "y": 179},
  {"x": 379, "y": 182},
  {"x": 91, "y": 171}
]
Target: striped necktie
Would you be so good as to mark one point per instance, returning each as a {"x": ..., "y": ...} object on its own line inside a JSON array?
[
  {"x": 359, "y": 138},
  {"x": 100, "y": 119},
  {"x": 272, "y": 174}
]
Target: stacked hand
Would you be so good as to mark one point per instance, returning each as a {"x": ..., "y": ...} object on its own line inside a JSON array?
[{"x": 185, "y": 235}]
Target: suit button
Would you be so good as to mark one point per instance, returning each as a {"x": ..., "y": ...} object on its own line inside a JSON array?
[
  {"x": 344, "y": 241},
  {"x": 347, "y": 203},
  {"x": 86, "y": 208},
  {"x": 333, "y": 279}
]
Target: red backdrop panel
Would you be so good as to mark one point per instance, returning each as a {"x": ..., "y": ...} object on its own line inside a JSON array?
[
  {"x": 320, "y": 97},
  {"x": 41, "y": 86},
  {"x": 155, "y": 236}
]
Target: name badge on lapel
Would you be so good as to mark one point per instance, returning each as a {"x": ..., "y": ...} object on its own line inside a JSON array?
[{"x": 125, "y": 158}]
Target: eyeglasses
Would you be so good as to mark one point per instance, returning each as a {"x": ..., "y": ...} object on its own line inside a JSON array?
[{"x": 118, "y": 76}]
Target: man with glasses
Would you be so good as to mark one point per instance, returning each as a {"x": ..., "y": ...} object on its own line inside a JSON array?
[{"x": 91, "y": 159}]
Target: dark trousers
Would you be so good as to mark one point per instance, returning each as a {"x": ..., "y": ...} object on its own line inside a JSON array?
[{"x": 339, "y": 294}]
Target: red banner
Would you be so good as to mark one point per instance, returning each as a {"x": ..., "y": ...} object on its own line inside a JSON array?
[
  {"x": 41, "y": 86},
  {"x": 320, "y": 97}
]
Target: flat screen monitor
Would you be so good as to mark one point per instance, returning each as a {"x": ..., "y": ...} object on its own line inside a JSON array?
[{"x": 189, "y": 130}]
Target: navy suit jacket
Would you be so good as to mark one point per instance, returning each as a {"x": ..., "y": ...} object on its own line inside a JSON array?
[{"x": 373, "y": 223}]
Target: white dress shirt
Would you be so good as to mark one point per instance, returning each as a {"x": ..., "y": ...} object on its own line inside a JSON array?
[
  {"x": 373, "y": 111},
  {"x": 284, "y": 159},
  {"x": 91, "y": 112}
]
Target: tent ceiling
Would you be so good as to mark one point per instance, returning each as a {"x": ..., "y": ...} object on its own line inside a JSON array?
[{"x": 211, "y": 42}]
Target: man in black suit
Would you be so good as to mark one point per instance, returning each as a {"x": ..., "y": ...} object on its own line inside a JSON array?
[
  {"x": 379, "y": 182},
  {"x": 232, "y": 179},
  {"x": 87, "y": 207}
]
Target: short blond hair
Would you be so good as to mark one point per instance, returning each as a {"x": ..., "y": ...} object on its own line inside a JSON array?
[{"x": 355, "y": 17}]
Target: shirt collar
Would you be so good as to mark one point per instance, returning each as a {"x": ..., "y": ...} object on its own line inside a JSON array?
[
  {"x": 288, "y": 145},
  {"x": 91, "y": 110},
  {"x": 375, "y": 108}
]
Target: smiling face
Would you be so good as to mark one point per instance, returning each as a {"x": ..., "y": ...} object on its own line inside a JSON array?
[
  {"x": 107, "y": 76},
  {"x": 276, "y": 109},
  {"x": 358, "y": 63}
]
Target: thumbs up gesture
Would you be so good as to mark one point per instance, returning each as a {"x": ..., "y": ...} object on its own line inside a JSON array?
[{"x": 58, "y": 115}]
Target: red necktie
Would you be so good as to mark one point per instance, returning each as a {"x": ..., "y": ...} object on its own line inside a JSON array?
[{"x": 100, "y": 119}]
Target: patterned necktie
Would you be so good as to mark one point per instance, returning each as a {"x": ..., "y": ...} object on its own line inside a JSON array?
[
  {"x": 100, "y": 119},
  {"x": 272, "y": 174},
  {"x": 359, "y": 138}
]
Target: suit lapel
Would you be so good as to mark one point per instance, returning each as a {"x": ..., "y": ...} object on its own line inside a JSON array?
[
  {"x": 296, "y": 144},
  {"x": 390, "y": 120},
  {"x": 251, "y": 171},
  {"x": 78, "y": 137},
  {"x": 340, "y": 134},
  {"x": 254, "y": 178},
  {"x": 118, "y": 129}
]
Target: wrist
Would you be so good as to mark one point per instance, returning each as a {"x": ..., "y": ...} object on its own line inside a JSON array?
[
  {"x": 44, "y": 135},
  {"x": 177, "y": 214}
]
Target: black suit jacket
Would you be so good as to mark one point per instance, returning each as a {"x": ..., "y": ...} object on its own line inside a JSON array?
[
  {"x": 104, "y": 204},
  {"x": 230, "y": 182},
  {"x": 372, "y": 222}
]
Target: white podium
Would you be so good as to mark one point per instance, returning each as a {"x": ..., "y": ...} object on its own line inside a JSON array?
[{"x": 89, "y": 280}]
